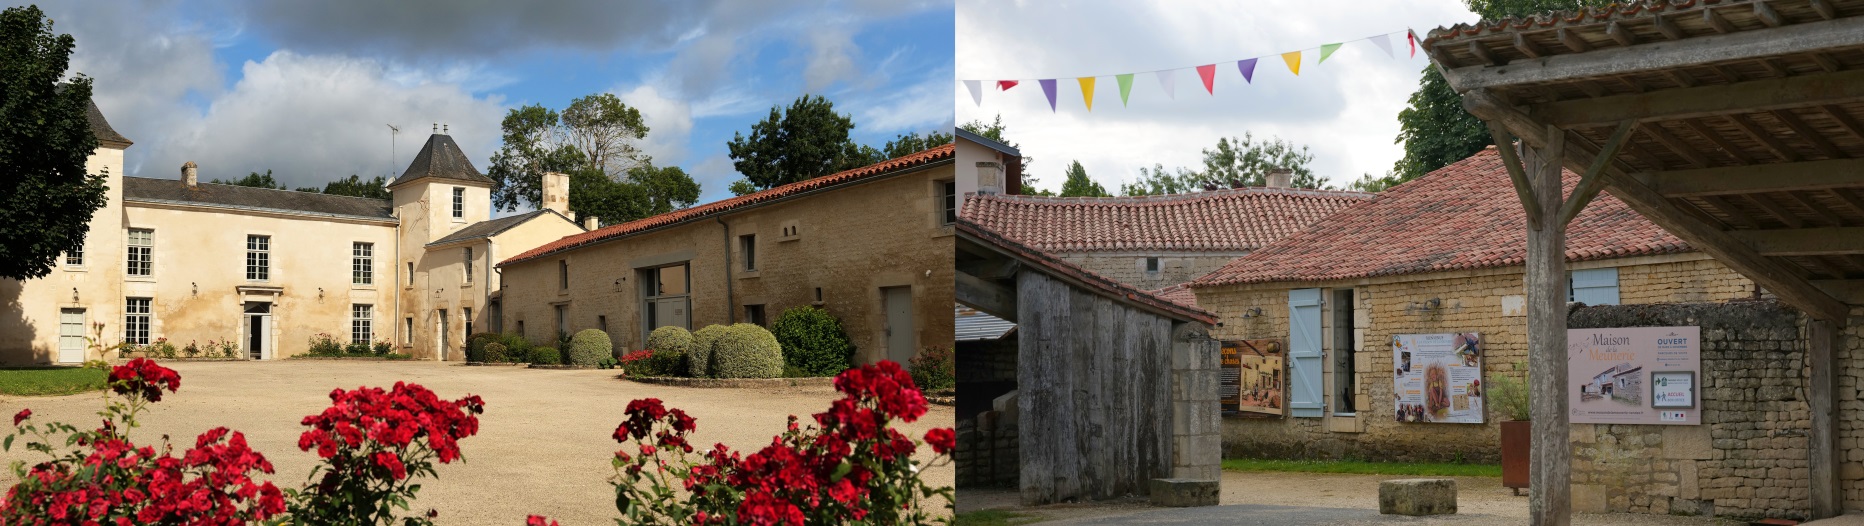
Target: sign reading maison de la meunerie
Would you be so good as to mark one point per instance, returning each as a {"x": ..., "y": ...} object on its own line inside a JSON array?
[{"x": 1634, "y": 375}]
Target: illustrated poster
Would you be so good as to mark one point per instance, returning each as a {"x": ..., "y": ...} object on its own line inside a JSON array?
[
  {"x": 1253, "y": 373},
  {"x": 1438, "y": 378},
  {"x": 1634, "y": 375}
]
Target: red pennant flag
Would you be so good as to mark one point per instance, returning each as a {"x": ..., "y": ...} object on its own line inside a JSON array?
[
  {"x": 1005, "y": 85},
  {"x": 1412, "y": 39},
  {"x": 1209, "y": 73}
]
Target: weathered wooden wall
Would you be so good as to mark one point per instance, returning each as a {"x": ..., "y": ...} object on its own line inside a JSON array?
[{"x": 1094, "y": 389}]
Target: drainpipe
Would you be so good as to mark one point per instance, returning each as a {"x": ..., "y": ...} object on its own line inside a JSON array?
[{"x": 731, "y": 310}]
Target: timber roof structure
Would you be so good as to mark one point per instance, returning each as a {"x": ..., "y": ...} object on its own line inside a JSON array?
[{"x": 1737, "y": 125}]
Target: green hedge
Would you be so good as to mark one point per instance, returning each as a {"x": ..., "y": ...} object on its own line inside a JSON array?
[
  {"x": 494, "y": 352},
  {"x": 813, "y": 341},
  {"x": 746, "y": 350},
  {"x": 670, "y": 338},
  {"x": 699, "y": 357},
  {"x": 475, "y": 345},
  {"x": 590, "y": 347},
  {"x": 546, "y": 356}
]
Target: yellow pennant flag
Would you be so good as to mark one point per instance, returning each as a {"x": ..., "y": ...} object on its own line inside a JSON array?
[
  {"x": 1293, "y": 58},
  {"x": 1087, "y": 91}
]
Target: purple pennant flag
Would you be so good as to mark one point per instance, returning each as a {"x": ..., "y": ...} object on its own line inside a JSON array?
[
  {"x": 1048, "y": 89},
  {"x": 1248, "y": 67}
]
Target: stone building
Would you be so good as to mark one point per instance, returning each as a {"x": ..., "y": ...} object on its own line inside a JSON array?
[
  {"x": 1439, "y": 254},
  {"x": 1155, "y": 242},
  {"x": 872, "y": 245},
  {"x": 193, "y": 262}
]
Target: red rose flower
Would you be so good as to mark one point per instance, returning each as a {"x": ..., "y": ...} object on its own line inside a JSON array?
[
  {"x": 942, "y": 440},
  {"x": 22, "y": 416}
]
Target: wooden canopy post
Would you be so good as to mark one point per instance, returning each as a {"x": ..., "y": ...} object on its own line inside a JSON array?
[{"x": 1550, "y": 501}]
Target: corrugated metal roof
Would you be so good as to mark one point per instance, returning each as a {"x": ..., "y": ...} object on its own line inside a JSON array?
[{"x": 974, "y": 325}]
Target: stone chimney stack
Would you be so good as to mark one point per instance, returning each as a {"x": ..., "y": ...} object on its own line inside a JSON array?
[
  {"x": 591, "y": 223},
  {"x": 190, "y": 174},
  {"x": 557, "y": 192},
  {"x": 989, "y": 177},
  {"x": 1280, "y": 178}
]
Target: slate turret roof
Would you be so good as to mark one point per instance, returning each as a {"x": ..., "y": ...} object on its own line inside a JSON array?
[
  {"x": 173, "y": 191},
  {"x": 441, "y": 158}
]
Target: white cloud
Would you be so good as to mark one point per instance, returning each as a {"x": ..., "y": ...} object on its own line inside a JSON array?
[
  {"x": 669, "y": 121},
  {"x": 921, "y": 106},
  {"x": 1345, "y": 110}
]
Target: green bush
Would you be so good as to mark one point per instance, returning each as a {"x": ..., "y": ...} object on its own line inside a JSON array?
[
  {"x": 384, "y": 348},
  {"x": 357, "y": 349},
  {"x": 162, "y": 348},
  {"x": 699, "y": 359},
  {"x": 934, "y": 369},
  {"x": 475, "y": 345},
  {"x": 813, "y": 341},
  {"x": 324, "y": 345},
  {"x": 495, "y": 353},
  {"x": 670, "y": 338},
  {"x": 590, "y": 347},
  {"x": 546, "y": 356},
  {"x": 746, "y": 350}
]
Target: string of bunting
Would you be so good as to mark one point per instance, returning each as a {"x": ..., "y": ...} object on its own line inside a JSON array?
[{"x": 1168, "y": 80}]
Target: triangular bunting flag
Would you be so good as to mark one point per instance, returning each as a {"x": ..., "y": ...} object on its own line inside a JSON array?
[
  {"x": 1087, "y": 91},
  {"x": 1048, "y": 90},
  {"x": 1005, "y": 85},
  {"x": 977, "y": 91},
  {"x": 1385, "y": 43},
  {"x": 1126, "y": 86},
  {"x": 1412, "y": 38},
  {"x": 1248, "y": 67},
  {"x": 1326, "y": 50},
  {"x": 1293, "y": 58},
  {"x": 1208, "y": 72},
  {"x": 1168, "y": 82}
]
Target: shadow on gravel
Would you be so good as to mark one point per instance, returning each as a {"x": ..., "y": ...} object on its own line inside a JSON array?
[{"x": 1254, "y": 515}]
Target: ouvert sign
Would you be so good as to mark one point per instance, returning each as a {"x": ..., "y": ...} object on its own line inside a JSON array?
[{"x": 1635, "y": 375}]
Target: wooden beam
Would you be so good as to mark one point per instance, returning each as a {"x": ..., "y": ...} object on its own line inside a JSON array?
[
  {"x": 1727, "y": 147},
  {"x": 1528, "y": 47},
  {"x": 1825, "y": 213},
  {"x": 1735, "y": 217},
  {"x": 1808, "y": 134},
  {"x": 1619, "y": 34},
  {"x": 1775, "y": 67},
  {"x": 1774, "y": 209},
  {"x": 1824, "y": 8},
  {"x": 1707, "y": 101},
  {"x": 1573, "y": 41},
  {"x": 1550, "y": 503},
  {"x": 1726, "y": 72},
  {"x": 1804, "y": 241},
  {"x": 1847, "y": 290},
  {"x": 1668, "y": 28},
  {"x": 1593, "y": 179},
  {"x": 1715, "y": 20},
  {"x": 1767, "y": 15},
  {"x": 1824, "y": 339},
  {"x": 1504, "y": 144},
  {"x": 1657, "y": 56},
  {"x": 1482, "y": 53},
  {"x": 1486, "y": 106},
  {"x": 1849, "y": 199},
  {"x": 1786, "y": 177},
  {"x": 1681, "y": 78},
  {"x": 1693, "y": 157},
  {"x": 985, "y": 295},
  {"x": 1765, "y": 138},
  {"x": 1826, "y": 62},
  {"x": 1844, "y": 120}
]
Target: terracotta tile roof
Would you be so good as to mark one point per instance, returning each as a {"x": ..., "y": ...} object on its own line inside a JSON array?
[
  {"x": 940, "y": 153},
  {"x": 1462, "y": 216},
  {"x": 1231, "y": 220},
  {"x": 1098, "y": 283},
  {"x": 1180, "y": 294}
]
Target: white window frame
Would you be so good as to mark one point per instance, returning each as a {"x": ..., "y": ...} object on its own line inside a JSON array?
[
  {"x": 258, "y": 257},
  {"x": 75, "y": 256},
  {"x": 468, "y": 260},
  {"x": 1590, "y": 284},
  {"x": 140, "y": 247},
  {"x": 362, "y": 323},
  {"x": 362, "y": 263},
  {"x": 138, "y": 319},
  {"x": 459, "y": 202}
]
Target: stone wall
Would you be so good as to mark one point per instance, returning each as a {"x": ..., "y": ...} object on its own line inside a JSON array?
[
  {"x": 1130, "y": 267},
  {"x": 987, "y": 451},
  {"x": 1489, "y": 301},
  {"x": 1747, "y": 458},
  {"x": 1850, "y": 357}
]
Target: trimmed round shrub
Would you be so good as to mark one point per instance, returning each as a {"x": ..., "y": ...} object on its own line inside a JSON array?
[
  {"x": 475, "y": 345},
  {"x": 699, "y": 359},
  {"x": 494, "y": 352},
  {"x": 517, "y": 348},
  {"x": 813, "y": 341},
  {"x": 746, "y": 350},
  {"x": 590, "y": 347},
  {"x": 546, "y": 356},
  {"x": 670, "y": 338}
]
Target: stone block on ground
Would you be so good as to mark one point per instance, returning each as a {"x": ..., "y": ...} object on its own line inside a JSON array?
[
  {"x": 1182, "y": 493},
  {"x": 1417, "y": 497}
]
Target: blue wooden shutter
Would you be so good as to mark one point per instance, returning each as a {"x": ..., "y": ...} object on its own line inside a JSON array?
[
  {"x": 1597, "y": 286},
  {"x": 1304, "y": 388}
]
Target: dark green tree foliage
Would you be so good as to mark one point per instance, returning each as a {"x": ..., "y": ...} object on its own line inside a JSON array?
[
  {"x": 805, "y": 141},
  {"x": 355, "y": 186},
  {"x": 257, "y": 180},
  {"x": 1245, "y": 161},
  {"x": 1434, "y": 129},
  {"x": 910, "y": 143},
  {"x": 995, "y": 130},
  {"x": 1078, "y": 184},
  {"x": 1157, "y": 181},
  {"x": 813, "y": 341},
  {"x": 594, "y": 141},
  {"x": 46, "y": 196}
]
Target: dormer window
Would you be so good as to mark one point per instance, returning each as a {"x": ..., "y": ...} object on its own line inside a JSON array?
[{"x": 459, "y": 203}]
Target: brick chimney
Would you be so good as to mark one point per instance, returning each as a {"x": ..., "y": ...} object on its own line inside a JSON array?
[
  {"x": 989, "y": 177},
  {"x": 557, "y": 192},
  {"x": 1279, "y": 178},
  {"x": 190, "y": 174}
]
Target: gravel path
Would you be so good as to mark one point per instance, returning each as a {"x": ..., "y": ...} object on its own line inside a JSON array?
[
  {"x": 543, "y": 445},
  {"x": 1250, "y": 499}
]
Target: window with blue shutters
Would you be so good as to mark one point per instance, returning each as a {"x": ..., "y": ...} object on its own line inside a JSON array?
[
  {"x": 1598, "y": 286},
  {"x": 1304, "y": 355}
]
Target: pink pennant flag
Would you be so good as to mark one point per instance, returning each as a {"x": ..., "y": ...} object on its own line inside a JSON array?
[
  {"x": 1209, "y": 73},
  {"x": 1048, "y": 90},
  {"x": 976, "y": 88},
  {"x": 1384, "y": 42},
  {"x": 1005, "y": 85},
  {"x": 1412, "y": 38},
  {"x": 1168, "y": 82},
  {"x": 1248, "y": 67}
]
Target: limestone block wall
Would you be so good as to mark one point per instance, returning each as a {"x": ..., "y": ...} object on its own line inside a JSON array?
[
  {"x": 987, "y": 452},
  {"x": 1130, "y": 267},
  {"x": 1850, "y": 357},
  {"x": 1196, "y": 419}
]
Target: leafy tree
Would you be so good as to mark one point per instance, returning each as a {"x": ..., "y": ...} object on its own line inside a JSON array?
[
  {"x": 805, "y": 141},
  {"x": 594, "y": 141},
  {"x": 910, "y": 143},
  {"x": 995, "y": 130},
  {"x": 1079, "y": 185},
  {"x": 1434, "y": 129},
  {"x": 605, "y": 131},
  {"x": 45, "y": 139},
  {"x": 258, "y": 180},
  {"x": 1156, "y": 181},
  {"x": 355, "y": 186},
  {"x": 1245, "y": 161}
]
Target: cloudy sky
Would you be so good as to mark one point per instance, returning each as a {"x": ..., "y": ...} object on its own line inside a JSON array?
[
  {"x": 306, "y": 88},
  {"x": 1345, "y": 110}
]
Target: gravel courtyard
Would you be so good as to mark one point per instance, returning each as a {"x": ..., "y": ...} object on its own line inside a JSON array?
[{"x": 543, "y": 445}]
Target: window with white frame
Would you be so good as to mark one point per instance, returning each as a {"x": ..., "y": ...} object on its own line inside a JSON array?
[
  {"x": 141, "y": 252},
  {"x": 362, "y": 263},
  {"x": 75, "y": 256},
  {"x": 1595, "y": 286},
  {"x": 459, "y": 203},
  {"x": 468, "y": 258},
  {"x": 948, "y": 202},
  {"x": 258, "y": 258},
  {"x": 362, "y": 323},
  {"x": 136, "y": 321}
]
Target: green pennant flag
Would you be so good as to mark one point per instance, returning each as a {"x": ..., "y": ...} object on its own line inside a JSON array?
[
  {"x": 1326, "y": 50},
  {"x": 1126, "y": 87}
]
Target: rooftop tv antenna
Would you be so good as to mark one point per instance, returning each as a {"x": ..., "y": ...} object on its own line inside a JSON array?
[{"x": 392, "y": 132}]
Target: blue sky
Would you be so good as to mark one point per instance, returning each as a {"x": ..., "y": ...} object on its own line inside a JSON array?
[{"x": 305, "y": 88}]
